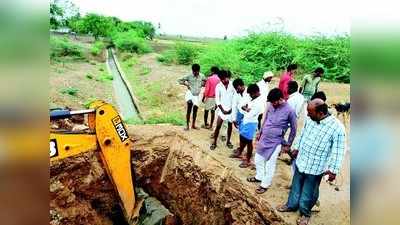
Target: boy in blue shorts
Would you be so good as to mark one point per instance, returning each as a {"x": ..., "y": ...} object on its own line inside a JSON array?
[{"x": 248, "y": 126}]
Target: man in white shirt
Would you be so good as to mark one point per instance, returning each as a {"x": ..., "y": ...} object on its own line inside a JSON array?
[
  {"x": 296, "y": 100},
  {"x": 263, "y": 85},
  {"x": 223, "y": 98},
  {"x": 240, "y": 98},
  {"x": 248, "y": 127}
]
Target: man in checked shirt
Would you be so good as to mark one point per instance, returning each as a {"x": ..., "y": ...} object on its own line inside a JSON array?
[{"x": 319, "y": 151}]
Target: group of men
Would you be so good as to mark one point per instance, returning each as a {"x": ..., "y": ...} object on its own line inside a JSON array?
[{"x": 264, "y": 116}]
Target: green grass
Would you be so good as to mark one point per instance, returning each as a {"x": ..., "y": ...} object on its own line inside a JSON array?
[
  {"x": 97, "y": 48},
  {"x": 145, "y": 70},
  {"x": 70, "y": 91},
  {"x": 249, "y": 57},
  {"x": 89, "y": 76},
  {"x": 183, "y": 53},
  {"x": 150, "y": 95},
  {"x": 104, "y": 76},
  {"x": 131, "y": 41},
  {"x": 87, "y": 103},
  {"x": 62, "y": 47},
  {"x": 174, "y": 118}
]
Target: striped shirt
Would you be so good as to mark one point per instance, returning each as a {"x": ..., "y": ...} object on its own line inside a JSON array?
[{"x": 321, "y": 146}]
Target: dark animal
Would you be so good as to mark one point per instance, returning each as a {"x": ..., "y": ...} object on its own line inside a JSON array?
[{"x": 342, "y": 109}]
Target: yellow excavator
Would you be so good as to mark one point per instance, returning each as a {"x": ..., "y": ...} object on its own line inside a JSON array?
[{"x": 108, "y": 134}]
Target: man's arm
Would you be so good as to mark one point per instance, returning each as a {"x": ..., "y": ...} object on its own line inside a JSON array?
[
  {"x": 303, "y": 83},
  {"x": 337, "y": 151},
  {"x": 184, "y": 81},
  {"x": 293, "y": 128},
  {"x": 316, "y": 86},
  {"x": 206, "y": 90}
]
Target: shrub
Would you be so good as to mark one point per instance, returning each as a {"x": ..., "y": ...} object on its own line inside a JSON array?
[
  {"x": 167, "y": 57},
  {"x": 105, "y": 77},
  {"x": 97, "y": 48},
  {"x": 70, "y": 91},
  {"x": 62, "y": 47},
  {"x": 88, "y": 102},
  {"x": 131, "y": 42},
  {"x": 251, "y": 56},
  {"x": 186, "y": 53}
]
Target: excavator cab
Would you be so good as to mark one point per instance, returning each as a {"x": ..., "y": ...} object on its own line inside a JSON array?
[{"x": 107, "y": 134}]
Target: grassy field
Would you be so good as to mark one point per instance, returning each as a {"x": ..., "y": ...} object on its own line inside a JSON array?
[
  {"x": 75, "y": 83},
  {"x": 154, "y": 85}
]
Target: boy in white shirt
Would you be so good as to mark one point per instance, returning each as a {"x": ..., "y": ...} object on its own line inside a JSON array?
[
  {"x": 296, "y": 100},
  {"x": 264, "y": 90},
  {"x": 240, "y": 98},
  {"x": 248, "y": 127},
  {"x": 223, "y": 99}
]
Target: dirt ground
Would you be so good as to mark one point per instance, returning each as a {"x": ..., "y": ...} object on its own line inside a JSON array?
[{"x": 82, "y": 75}]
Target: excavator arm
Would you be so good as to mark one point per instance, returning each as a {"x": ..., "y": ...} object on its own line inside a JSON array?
[{"x": 110, "y": 137}]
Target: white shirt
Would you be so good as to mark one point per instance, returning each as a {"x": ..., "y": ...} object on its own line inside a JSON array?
[
  {"x": 296, "y": 101},
  {"x": 264, "y": 89},
  {"x": 224, "y": 96},
  {"x": 256, "y": 107},
  {"x": 239, "y": 101}
]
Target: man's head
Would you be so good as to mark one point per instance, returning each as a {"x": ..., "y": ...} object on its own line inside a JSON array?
[
  {"x": 319, "y": 72},
  {"x": 223, "y": 76},
  {"x": 275, "y": 97},
  {"x": 317, "y": 109},
  {"x": 253, "y": 90},
  {"x": 229, "y": 74},
  {"x": 319, "y": 94},
  {"x": 214, "y": 70},
  {"x": 292, "y": 68},
  {"x": 292, "y": 87},
  {"x": 267, "y": 77},
  {"x": 196, "y": 69},
  {"x": 238, "y": 84}
]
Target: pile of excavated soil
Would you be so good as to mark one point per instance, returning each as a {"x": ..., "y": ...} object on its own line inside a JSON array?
[
  {"x": 200, "y": 186},
  {"x": 81, "y": 193}
]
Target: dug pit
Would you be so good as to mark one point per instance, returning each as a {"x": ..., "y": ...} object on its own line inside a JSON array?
[{"x": 192, "y": 182}]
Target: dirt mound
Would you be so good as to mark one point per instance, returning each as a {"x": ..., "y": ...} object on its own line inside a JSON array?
[{"x": 81, "y": 193}]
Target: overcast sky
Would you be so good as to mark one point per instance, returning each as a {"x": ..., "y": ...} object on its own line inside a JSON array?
[{"x": 216, "y": 18}]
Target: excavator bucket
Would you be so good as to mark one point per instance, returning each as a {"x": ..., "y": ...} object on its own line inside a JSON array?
[{"x": 111, "y": 138}]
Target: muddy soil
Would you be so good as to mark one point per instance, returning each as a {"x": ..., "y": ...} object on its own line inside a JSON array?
[
  {"x": 201, "y": 186},
  {"x": 81, "y": 193}
]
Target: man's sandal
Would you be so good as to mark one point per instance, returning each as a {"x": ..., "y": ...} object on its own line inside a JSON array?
[
  {"x": 244, "y": 165},
  {"x": 303, "y": 220},
  {"x": 213, "y": 146},
  {"x": 229, "y": 145},
  {"x": 261, "y": 190},
  {"x": 284, "y": 208},
  {"x": 253, "y": 180}
]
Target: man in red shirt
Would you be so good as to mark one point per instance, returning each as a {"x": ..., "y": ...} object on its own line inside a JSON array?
[
  {"x": 286, "y": 78},
  {"x": 209, "y": 97}
]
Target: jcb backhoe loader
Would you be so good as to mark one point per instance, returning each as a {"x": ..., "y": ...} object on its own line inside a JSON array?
[{"x": 107, "y": 134}]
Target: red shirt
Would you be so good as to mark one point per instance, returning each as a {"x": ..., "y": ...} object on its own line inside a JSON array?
[
  {"x": 283, "y": 83},
  {"x": 211, "y": 83}
]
